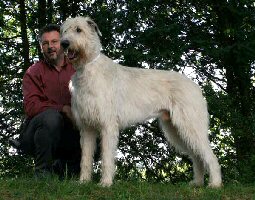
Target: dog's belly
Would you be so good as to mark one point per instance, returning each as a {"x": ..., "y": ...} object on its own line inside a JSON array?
[{"x": 131, "y": 115}]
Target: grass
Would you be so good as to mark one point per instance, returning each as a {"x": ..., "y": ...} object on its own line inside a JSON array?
[{"x": 53, "y": 189}]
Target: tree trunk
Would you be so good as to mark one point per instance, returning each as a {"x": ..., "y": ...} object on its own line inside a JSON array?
[
  {"x": 41, "y": 13},
  {"x": 50, "y": 11},
  {"x": 25, "y": 42},
  {"x": 239, "y": 89}
]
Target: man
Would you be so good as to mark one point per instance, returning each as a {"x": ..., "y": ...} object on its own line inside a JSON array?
[{"x": 50, "y": 136}]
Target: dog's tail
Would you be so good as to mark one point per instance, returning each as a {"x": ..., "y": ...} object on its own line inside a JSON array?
[{"x": 188, "y": 110}]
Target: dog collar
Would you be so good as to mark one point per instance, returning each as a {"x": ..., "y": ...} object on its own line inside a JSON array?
[{"x": 95, "y": 59}]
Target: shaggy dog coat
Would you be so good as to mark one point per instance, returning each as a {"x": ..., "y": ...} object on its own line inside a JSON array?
[{"x": 107, "y": 97}]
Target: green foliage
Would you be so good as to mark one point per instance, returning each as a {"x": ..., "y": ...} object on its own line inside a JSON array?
[{"x": 145, "y": 155}]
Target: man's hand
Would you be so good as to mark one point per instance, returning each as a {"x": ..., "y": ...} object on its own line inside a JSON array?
[{"x": 68, "y": 113}]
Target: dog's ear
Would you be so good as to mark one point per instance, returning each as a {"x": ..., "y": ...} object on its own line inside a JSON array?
[{"x": 94, "y": 26}]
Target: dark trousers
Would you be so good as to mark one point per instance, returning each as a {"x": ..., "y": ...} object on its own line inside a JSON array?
[{"x": 50, "y": 137}]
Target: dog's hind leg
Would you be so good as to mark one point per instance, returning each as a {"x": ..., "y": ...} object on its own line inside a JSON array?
[
  {"x": 191, "y": 135},
  {"x": 109, "y": 142},
  {"x": 198, "y": 170},
  {"x": 195, "y": 135},
  {"x": 174, "y": 139},
  {"x": 88, "y": 146},
  {"x": 204, "y": 153}
]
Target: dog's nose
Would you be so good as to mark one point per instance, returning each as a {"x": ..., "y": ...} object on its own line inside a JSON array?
[{"x": 65, "y": 44}]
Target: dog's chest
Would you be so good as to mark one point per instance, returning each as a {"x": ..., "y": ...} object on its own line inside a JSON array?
[{"x": 86, "y": 99}]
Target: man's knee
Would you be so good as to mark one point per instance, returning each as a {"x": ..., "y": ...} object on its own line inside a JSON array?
[
  {"x": 48, "y": 132},
  {"x": 51, "y": 119}
]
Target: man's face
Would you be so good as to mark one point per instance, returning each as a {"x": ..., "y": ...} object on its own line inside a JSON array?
[{"x": 50, "y": 46}]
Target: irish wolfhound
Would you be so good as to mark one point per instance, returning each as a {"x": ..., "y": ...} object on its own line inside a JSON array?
[{"x": 107, "y": 97}]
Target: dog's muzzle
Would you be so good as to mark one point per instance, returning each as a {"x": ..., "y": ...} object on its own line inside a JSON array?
[
  {"x": 69, "y": 52},
  {"x": 65, "y": 44}
]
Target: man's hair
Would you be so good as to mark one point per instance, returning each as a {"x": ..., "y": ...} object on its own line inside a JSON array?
[{"x": 48, "y": 28}]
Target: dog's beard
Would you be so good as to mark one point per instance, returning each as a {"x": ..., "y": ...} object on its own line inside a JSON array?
[{"x": 71, "y": 54}]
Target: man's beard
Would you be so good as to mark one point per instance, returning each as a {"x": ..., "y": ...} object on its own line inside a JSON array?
[{"x": 51, "y": 59}]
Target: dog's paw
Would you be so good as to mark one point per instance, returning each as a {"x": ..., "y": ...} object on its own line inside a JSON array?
[
  {"x": 105, "y": 183},
  {"x": 215, "y": 185},
  {"x": 196, "y": 183},
  {"x": 85, "y": 179}
]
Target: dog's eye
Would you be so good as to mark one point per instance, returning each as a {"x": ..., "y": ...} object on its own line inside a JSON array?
[{"x": 78, "y": 30}]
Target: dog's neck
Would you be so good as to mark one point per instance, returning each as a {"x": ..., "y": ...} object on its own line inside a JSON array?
[{"x": 95, "y": 59}]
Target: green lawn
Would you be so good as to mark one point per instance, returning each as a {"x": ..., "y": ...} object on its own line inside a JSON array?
[{"x": 29, "y": 188}]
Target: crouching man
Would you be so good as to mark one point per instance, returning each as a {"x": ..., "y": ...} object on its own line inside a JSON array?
[{"x": 50, "y": 135}]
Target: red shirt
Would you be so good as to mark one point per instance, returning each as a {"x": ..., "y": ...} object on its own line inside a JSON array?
[{"x": 44, "y": 87}]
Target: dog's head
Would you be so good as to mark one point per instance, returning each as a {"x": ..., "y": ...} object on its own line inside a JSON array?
[{"x": 80, "y": 40}]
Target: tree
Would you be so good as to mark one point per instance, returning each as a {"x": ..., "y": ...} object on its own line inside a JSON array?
[{"x": 229, "y": 50}]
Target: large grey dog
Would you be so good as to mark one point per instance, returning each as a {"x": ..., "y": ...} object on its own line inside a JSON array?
[{"x": 107, "y": 97}]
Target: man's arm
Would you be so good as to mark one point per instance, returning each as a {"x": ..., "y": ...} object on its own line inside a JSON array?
[{"x": 35, "y": 100}]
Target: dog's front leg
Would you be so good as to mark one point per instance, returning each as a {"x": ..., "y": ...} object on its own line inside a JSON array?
[
  {"x": 88, "y": 146},
  {"x": 109, "y": 142}
]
